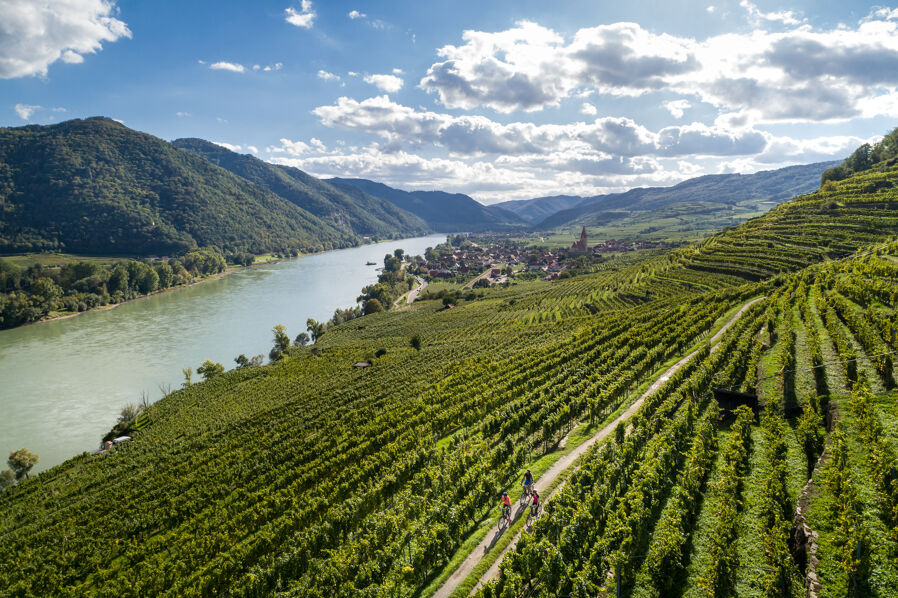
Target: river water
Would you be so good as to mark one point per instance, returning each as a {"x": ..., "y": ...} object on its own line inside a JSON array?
[{"x": 63, "y": 382}]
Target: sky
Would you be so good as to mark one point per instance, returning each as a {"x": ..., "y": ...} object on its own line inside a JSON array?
[{"x": 500, "y": 100}]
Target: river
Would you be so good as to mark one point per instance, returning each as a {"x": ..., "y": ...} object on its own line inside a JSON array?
[{"x": 64, "y": 382}]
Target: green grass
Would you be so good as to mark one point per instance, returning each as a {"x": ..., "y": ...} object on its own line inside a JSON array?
[{"x": 26, "y": 260}]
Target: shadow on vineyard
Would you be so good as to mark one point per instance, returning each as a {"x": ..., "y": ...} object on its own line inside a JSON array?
[{"x": 310, "y": 478}]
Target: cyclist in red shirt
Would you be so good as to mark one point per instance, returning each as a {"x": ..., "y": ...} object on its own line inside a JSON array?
[{"x": 506, "y": 506}]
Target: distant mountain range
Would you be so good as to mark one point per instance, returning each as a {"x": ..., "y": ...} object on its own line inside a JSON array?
[
  {"x": 534, "y": 211},
  {"x": 736, "y": 192},
  {"x": 445, "y": 212},
  {"x": 95, "y": 186}
]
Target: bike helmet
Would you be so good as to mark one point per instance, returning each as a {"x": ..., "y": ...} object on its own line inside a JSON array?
[{"x": 505, "y": 494}]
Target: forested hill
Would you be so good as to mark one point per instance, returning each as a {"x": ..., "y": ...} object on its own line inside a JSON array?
[
  {"x": 446, "y": 212},
  {"x": 348, "y": 210},
  {"x": 96, "y": 186},
  {"x": 753, "y": 191}
]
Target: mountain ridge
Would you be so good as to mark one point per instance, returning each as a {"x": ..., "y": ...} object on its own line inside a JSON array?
[
  {"x": 444, "y": 212},
  {"x": 96, "y": 186},
  {"x": 354, "y": 212}
]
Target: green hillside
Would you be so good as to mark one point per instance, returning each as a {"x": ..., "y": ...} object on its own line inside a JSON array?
[
  {"x": 313, "y": 478},
  {"x": 95, "y": 186},
  {"x": 445, "y": 212},
  {"x": 688, "y": 210},
  {"x": 350, "y": 211}
]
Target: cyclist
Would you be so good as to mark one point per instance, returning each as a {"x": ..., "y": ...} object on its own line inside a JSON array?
[
  {"x": 528, "y": 482},
  {"x": 506, "y": 506},
  {"x": 534, "y": 507}
]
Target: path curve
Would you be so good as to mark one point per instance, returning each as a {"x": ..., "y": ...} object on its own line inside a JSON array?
[
  {"x": 467, "y": 566},
  {"x": 413, "y": 294}
]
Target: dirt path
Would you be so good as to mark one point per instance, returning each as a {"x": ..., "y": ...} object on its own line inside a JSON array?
[
  {"x": 460, "y": 574},
  {"x": 485, "y": 274}
]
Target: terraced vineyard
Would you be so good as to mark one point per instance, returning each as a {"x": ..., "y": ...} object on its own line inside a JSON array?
[{"x": 311, "y": 478}]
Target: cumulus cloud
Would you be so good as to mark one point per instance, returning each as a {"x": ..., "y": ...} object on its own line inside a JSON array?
[
  {"x": 588, "y": 109},
  {"x": 304, "y": 17},
  {"x": 26, "y": 110},
  {"x": 388, "y": 83},
  {"x": 476, "y": 135},
  {"x": 327, "y": 76},
  {"x": 229, "y": 146},
  {"x": 797, "y": 73},
  {"x": 234, "y": 67},
  {"x": 34, "y": 35},
  {"x": 755, "y": 15},
  {"x": 182, "y": 114},
  {"x": 677, "y": 107},
  {"x": 354, "y": 14}
]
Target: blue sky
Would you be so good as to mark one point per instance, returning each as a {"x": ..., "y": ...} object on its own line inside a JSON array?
[{"x": 501, "y": 100}]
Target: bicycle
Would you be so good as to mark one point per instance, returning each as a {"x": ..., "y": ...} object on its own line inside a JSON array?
[
  {"x": 535, "y": 511},
  {"x": 505, "y": 517}
]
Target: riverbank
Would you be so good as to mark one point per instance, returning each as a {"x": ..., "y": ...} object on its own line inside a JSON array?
[{"x": 65, "y": 382}]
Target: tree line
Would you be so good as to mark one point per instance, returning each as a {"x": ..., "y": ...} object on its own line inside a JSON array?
[{"x": 30, "y": 294}]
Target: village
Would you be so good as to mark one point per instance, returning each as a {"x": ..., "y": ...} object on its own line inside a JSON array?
[{"x": 462, "y": 255}]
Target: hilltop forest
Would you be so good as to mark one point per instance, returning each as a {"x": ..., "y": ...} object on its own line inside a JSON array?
[{"x": 311, "y": 477}]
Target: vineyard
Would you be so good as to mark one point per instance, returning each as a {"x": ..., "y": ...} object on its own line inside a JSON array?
[{"x": 308, "y": 477}]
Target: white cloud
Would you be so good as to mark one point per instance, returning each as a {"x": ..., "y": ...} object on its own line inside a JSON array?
[
  {"x": 327, "y": 76},
  {"x": 230, "y": 146},
  {"x": 388, "y": 83},
  {"x": 292, "y": 148},
  {"x": 34, "y": 35},
  {"x": 401, "y": 125},
  {"x": 227, "y": 66},
  {"x": 588, "y": 109},
  {"x": 304, "y": 17},
  {"x": 793, "y": 75},
  {"x": 26, "y": 110},
  {"x": 398, "y": 71},
  {"x": 252, "y": 148},
  {"x": 354, "y": 14},
  {"x": 182, "y": 114},
  {"x": 711, "y": 9},
  {"x": 787, "y": 17},
  {"x": 352, "y": 74},
  {"x": 677, "y": 107}
]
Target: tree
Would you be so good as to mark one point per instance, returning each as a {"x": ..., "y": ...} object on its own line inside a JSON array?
[
  {"x": 399, "y": 254},
  {"x": 129, "y": 413},
  {"x": 416, "y": 342},
  {"x": 281, "y": 342},
  {"x": 165, "y": 274},
  {"x": 372, "y": 306},
  {"x": 21, "y": 462},
  {"x": 302, "y": 339},
  {"x": 209, "y": 369},
  {"x": 316, "y": 329},
  {"x": 7, "y": 479}
]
